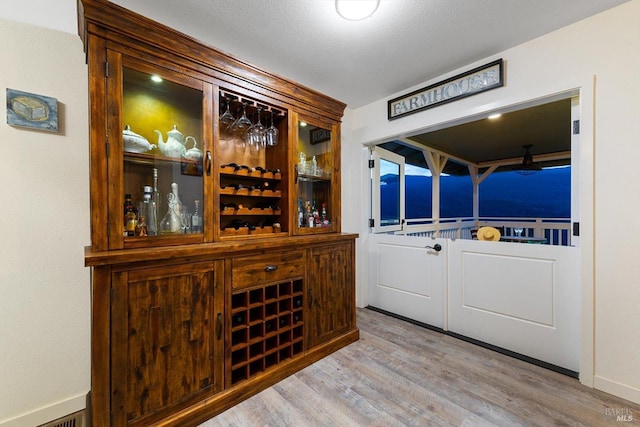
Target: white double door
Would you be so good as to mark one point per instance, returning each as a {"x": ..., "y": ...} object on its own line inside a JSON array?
[{"x": 523, "y": 298}]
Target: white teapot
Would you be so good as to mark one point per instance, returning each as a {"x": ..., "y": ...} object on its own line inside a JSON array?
[
  {"x": 134, "y": 143},
  {"x": 193, "y": 153},
  {"x": 174, "y": 147}
]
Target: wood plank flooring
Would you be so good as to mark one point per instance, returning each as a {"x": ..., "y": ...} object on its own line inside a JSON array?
[{"x": 400, "y": 374}]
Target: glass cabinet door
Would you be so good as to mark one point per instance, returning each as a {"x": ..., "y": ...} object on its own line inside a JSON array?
[
  {"x": 315, "y": 177},
  {"x": 163, "y": 158}
]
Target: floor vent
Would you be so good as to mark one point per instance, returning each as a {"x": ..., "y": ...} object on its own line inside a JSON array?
[{"x": 73, "y": 420}]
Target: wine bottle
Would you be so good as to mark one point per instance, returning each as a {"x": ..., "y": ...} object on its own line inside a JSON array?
[
  {"x": 225, "y": 206},
  {"x": 237, "y": 224},
  {"x": 235, "y": 166},
  {"x": 234, "y": 186}
]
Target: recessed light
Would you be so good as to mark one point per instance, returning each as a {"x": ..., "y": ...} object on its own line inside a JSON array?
[
  {"x": 156, "y": 78},
  {"x": 494, "y": 116},
  {"x": 303, "y": 124}
]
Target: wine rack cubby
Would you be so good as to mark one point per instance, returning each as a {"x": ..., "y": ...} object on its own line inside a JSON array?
[{"x": 267, "y": 327}]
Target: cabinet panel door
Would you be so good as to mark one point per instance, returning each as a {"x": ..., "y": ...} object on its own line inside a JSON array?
[
  {"x": 166, "y": 339},
  {"x": 331, "y": 292}
]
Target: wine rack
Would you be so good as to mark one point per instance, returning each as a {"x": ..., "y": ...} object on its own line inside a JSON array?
[
  {"x": 266, "y": 328},
  {"x": 249, "y": 200}
]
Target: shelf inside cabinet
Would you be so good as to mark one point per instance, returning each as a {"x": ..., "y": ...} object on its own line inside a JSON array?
[
  {"x": 248, "y": 192},
  {"x": 155, "y": 159},
  {"x": 250, "y": 211},
  {"x": 314, "y": 178}
]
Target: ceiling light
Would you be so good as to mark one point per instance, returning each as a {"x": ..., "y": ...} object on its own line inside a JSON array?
[
  {"x": 494, "y": 116},
  {"x": 356, "y": 10},
  {"x": 156, "y": 78}
]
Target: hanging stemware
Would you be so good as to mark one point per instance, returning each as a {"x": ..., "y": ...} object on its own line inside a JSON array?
[
  {"x": 243, "y": 123},
  {"x": 255, "y": 135},
  {"x": 227, "y": 119},
  {"x": 271, "y": 134}
]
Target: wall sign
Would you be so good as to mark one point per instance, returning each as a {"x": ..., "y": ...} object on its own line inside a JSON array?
[{"x": 481, "y": 79}]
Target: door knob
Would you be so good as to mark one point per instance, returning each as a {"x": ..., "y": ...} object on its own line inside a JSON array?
[{"x": 437, "y": 247}]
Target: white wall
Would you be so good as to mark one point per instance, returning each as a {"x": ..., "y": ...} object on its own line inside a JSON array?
[
  {"x": 44, "y": 286},
  {"x": 606, "y": 46}
]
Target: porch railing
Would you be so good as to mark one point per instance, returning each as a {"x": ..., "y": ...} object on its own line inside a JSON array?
[{"x": 556, "y": 231}]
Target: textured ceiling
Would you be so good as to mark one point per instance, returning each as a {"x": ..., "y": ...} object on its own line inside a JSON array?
[{"x": 405, "y": 43}]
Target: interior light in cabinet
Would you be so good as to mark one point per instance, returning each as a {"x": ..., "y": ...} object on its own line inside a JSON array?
[
  {"x": 156, "y": 78},
  {"x": 303, "y": 124}
]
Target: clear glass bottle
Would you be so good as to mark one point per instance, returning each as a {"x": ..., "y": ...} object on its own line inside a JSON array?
[
  {"x": 148, "y": 209},
  {"x": 171, "y": 222},
  {"x": 196, "y": 218}
]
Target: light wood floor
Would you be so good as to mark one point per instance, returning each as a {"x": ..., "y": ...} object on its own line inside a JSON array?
[{"x": 400, "y": 374}]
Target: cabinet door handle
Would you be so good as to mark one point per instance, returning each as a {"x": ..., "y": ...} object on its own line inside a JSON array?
[
  {"x": 270, "y": 267},
  {"x": 219, "y": 326},
  {"x": 207, "y": 164}
]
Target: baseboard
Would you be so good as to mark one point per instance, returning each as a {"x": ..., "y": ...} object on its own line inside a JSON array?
[
  {"x": 48, "y": 413},
  {"x": 617, "y": 389}
]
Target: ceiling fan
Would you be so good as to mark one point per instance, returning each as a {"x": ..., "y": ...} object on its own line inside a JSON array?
[{"x": 528, "y": 166}]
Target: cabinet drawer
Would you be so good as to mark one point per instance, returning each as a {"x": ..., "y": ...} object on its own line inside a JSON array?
[{"x": 257, "y": 269}]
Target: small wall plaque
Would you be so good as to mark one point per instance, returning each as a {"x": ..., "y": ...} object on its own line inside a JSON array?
[{"x": 33, "y": 111}]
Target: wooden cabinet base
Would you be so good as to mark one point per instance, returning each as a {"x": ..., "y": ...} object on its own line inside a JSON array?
[{"x": 216, "y": 404}]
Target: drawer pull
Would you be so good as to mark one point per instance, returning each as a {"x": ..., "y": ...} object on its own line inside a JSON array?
[{"x": 270, "y": 267}]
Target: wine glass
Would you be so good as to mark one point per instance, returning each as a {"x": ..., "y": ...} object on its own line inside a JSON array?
[
  {"x": 271, "y": 134},
  {"x": 243, "y": 123},
  {"x": 518, "y": 231},
  {"x": 227, "y": 119},
  {"x": 255, "y": 134}
]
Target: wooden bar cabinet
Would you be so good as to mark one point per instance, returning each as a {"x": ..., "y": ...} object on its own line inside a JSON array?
[{"x": 218, "y": 262}]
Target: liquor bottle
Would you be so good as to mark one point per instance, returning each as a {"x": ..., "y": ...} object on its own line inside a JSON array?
[
  {"x": 196, "y": 218},
  {"x": 323, "y": 214},
  {"x": 142, "y": 229},
  {"x": 300, "y": 214},
  {"x": 309, "y": 215},
  {"x": 130, "y": 216}
]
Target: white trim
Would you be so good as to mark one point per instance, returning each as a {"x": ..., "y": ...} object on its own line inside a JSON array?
[{"x": 617, "y": 389}]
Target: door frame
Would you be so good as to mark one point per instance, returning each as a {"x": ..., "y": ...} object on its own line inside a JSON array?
[{"x": 582, "y": 86}]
